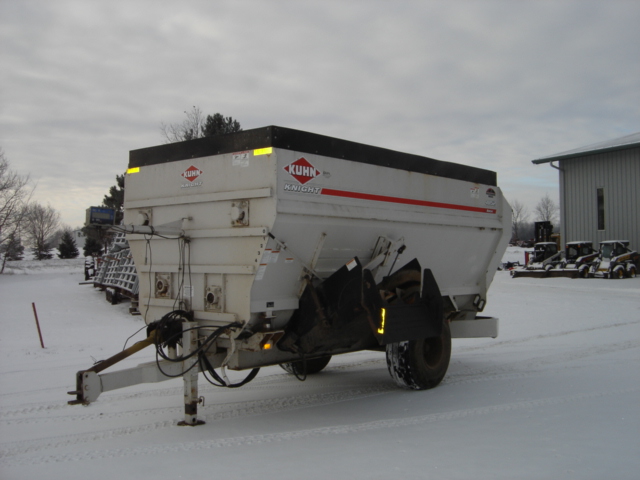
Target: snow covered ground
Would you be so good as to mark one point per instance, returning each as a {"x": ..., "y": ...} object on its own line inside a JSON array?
[{"x": 556, "y": 395}]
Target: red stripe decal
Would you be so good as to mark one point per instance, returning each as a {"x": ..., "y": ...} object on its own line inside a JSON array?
[{"x": 405, "y": 201}]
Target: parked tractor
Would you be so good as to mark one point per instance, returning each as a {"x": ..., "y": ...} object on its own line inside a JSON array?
[
  {"x": 545, "y": 256},
  {"x": 578, "y": 257},
  {"x": 615, "y": 260}
]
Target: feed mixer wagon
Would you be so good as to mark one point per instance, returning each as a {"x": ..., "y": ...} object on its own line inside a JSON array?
[{"x": 276, "y": 246}]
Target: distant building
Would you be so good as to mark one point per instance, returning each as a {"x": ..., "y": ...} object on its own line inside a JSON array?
[
  {"x": 599, "y": 186},
  {"x": 80, "y": 239}
]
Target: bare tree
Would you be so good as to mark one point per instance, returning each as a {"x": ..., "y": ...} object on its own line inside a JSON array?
[
  {"x": 189, "y": 129},
  {"x": 40, "y": 225},
  {"x": 518, "y": 218},
  {"x": 15, "y": 192},
  {"x": 547, "y": 210}
]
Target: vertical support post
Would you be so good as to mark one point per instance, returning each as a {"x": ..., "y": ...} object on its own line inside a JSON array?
[{"x": 190, "y": 378}]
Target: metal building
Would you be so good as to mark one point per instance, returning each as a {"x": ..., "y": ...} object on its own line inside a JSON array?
[{"x": 599, "y": 197}]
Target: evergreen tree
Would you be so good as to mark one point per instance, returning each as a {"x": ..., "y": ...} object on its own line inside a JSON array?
[
  {"x": 219, "y": 125},
  {"x": 67, "y": 247},
  {"x": 115, "y": 199},
  {"x": 92, "y": 247},
  {"x": 13, "y": 249},
  {"x": 43, "y": 252}
]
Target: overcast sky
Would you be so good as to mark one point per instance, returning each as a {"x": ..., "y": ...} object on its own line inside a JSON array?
[{"x": 492, "y": 84}]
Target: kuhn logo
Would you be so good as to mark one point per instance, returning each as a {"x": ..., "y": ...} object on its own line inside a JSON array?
[
  {"x": 191, "y": 173},
  {"x": 302, "y": 170}
]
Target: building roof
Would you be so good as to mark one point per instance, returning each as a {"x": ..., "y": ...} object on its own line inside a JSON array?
[{"x": 628, "y": 141}]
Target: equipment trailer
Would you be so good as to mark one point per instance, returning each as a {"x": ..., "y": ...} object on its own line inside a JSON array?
[{"x": 276, "y": 246}]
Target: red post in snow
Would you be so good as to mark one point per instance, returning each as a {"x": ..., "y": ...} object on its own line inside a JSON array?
[{"x": 37, "y": 324}]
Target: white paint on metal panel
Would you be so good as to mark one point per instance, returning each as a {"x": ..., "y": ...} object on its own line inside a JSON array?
[{"x": 241, "y": 159}]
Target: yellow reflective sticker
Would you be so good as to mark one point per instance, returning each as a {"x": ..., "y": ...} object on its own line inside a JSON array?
[
  {"x": 383, "y": 314},
  {"x": 263, "y": 151},
  {"x": 133, "y": 170}
]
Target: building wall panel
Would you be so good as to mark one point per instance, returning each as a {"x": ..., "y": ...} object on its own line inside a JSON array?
[{"x": 618, "y": 172}]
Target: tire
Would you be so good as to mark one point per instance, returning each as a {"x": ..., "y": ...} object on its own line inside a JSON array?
[
  {"x": 315, "y": 365},
  {"x": 618, "y": 273},
  {"x": 583, "y": 272},
  {"x": 631, "y": 273},
  {"x": 420, "y": 364}
]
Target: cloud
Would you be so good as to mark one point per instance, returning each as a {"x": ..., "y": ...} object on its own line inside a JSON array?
[{"x": 492, "y": 84}]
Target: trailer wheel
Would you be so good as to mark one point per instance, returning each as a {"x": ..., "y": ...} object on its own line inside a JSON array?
[
  {"x": 420, "y": 364},
  {"x": 315, "y": 365}
]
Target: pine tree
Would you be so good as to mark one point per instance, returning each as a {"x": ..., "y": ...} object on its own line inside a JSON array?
[
  {"x": 13, "y": 249},
  {"x": 43, "y": 252},
  {"x": 115, "y": 199},
  {"x": 219, "y": 125},
  {"x": 92, "y": 247},
  {"x": 67, "y": 247}
]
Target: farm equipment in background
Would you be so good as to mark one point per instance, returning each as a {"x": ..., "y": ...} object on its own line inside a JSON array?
[
  {"x": 578, "y": 257},
  {"x": 115, "y": 273},
  {"x": 615, "y": 260},
  {"x": 541, "y": 261},
  {"x": 546, "y": 255}
]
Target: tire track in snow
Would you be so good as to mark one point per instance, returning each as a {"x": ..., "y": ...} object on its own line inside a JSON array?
[
  {"x": 543, "y": 336},
  {"x": 287, "y": 378},
  {"x": 538, "y": 363},
  {"x": 310, "y": 433},
  {"x": 272, "y": 380},
  {"x": 260, "y": 383},
  {"x": 225, "y": 411},
  {"x": 497, "y": 370},
  {"x": 220, "y": 410}
]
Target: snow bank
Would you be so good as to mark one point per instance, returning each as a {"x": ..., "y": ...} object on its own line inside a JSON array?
[
  {"x": 25, "y": 267},
  {"x": 515, "y": 254}
]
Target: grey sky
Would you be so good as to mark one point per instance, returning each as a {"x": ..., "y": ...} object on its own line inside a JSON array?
[{"x": 492, "y": 84}]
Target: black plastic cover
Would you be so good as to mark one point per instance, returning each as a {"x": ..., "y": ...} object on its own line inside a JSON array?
[{"x": 305, "y": 142}]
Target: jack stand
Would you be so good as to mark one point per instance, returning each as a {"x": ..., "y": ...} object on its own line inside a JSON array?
[{"x": 190, "y": 378}]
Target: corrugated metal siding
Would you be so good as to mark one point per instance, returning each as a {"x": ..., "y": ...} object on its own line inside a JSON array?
[{"x": 619, "y": 174}]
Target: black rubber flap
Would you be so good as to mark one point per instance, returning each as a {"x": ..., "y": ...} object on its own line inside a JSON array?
[{"x": 414, "y": 321}]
